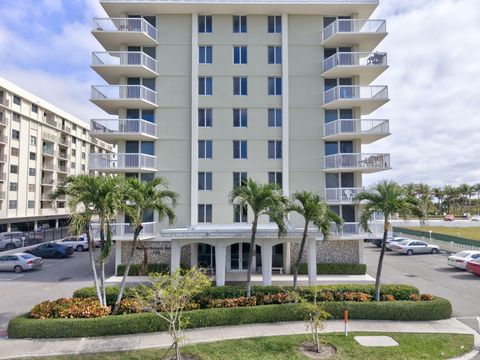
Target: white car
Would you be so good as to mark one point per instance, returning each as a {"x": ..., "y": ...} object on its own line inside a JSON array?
[
  {"x": 475, "y": 218},
  {"x": 392, "y": 241},
  {"x": 460, "y": 260},
  {"x": 79, "y": 243}
]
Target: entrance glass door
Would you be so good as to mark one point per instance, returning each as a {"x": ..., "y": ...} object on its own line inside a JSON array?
[{"x": 239, "y": 256}]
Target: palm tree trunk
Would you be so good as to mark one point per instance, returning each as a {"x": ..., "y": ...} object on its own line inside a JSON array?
[
  {"x": 300, "y": 254},
  {"x": 91, "y": 249},
  {"x": 250, "y": 256},
  {"x": 102, "y": 262},
  {"x": 102, "y": 282},
  {"x": 127, "y": 268},
  {"x": 145, "y": 259},
  {"x": 380, "y": 259}
]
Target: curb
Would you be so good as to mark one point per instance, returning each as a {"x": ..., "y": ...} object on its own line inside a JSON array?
[{"x": 468, "y": 356}]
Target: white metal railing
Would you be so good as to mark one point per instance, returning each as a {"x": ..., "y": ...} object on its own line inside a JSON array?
[
  {"x": 340, "y": 194},
  {"x": 355, "y": 59},
  {"x": 356, "y": 126},
  {"x": 354, "y": 26},
  {"x": 124, "y": 58},
  {"x": 356, "y": 92},
  {"x": 354, "y": 228},
  {"x": 106, "y": 161},
  {"x": 123, "y": 92},
  {"x": 122, "y": 126},
  {"x": 125, "y": 24},
  {"x": 357, "y": 160},
  {"x": 124, "y": 230}
]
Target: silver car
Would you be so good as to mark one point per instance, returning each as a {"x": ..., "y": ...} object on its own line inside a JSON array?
[
  {"x": 411, "y": 247},
  {"x": 20, "y": 262},
  {"x": 9, "y": 243}
]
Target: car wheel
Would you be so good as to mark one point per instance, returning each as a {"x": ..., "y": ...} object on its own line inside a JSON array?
[
  {"x": 18, "y": 269},
  {"x": 57, "y": 255},
  {"x": 434, "y": 251},
  {"x": 80, "y": 248},
  {"x": 10, "y": 246},
  {"x": 409, "y": 252}
]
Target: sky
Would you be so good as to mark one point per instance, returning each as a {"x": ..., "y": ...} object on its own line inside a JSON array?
[{"x": 433, "y": 51}]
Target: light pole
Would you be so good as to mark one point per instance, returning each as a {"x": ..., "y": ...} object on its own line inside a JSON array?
[{"x": 430, "y": 232}]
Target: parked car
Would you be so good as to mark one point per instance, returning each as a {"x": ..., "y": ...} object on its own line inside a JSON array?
[
  {"x": 9, "y": 243},
  {"x": 449, "y": 218},
  {"x": 51, "y": 250},
  {"x": 475, "y": 218},
  {"x": 20, "y": 262},
  {"x": 378, "y": 242},
  {"x": 411, "y": 247},
  {"x": 473, "y": 267},
  {"x": 79, "y": 243},
  {"x": 460, "y": 260},
  {"x": 394, "y": 240}
]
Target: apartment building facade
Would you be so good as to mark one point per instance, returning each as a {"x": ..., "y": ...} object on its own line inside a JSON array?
[
  {"x": 40, "y": 145},
  {"x": 210, "y": 93}
]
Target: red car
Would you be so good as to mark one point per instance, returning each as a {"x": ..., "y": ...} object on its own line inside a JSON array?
[
  {"x": 474, "y": 267},
  {"x": 449, "y": 218}
]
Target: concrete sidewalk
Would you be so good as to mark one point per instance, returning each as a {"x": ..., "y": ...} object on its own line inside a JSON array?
[{"x": 11, "y": 348}]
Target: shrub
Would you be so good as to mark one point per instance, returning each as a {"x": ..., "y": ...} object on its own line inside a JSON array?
[
  {"x": 414, "y": 297},
  {"x": 426, "y": 297},
  {"x": 388, "y": 297},
  {"x": 236, "y": 302},
  {"x": 69, "y": 308},
  {"x": 136, "y": 269},
  {"x": 280, "y": 298},
  {"x": 335, "y": 269},
  {"x": 129, "y": 306}
]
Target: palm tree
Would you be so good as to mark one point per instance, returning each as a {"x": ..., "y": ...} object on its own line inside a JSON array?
[
  {"x": 139, "y": 196},
  {"x": 263, "y": 199},
  {"x": 424, "y": 195},
  {"x": 388, "y": 198},
  {"x": 440, "y": 195},
  {"x": 313, "y": 210}
]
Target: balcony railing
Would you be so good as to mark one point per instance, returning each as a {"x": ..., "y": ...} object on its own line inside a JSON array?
[
  {"x": 124, "y": 58},
  {"x": 50, "y": 137},
  {"x": 356, "y": 92},
  {"x": 124, "y": 231},
  {"x": 368, "y": 59},
  {"x": 125, "y": 25},
  {"x": 62, "y": 169},
  {"x": 357, "y": 26},
  {"x": 3, "y": 139},
  {"x": 47, "y": 166},
  {"x": 3, "y": 176},
  {"x": 46, "y": 182},
  {"x": 62, "y": 154},
  {"x": 48, "y": 151},
  {"x": 340, "y": 195},
  {"x": 122, "y": 127},
  {"x": 3, "y": 158},
  {"x": 3, "y": 120},
  {"x": 358, "y": 161},
  {"x": 356, "y": 126},
  {"x": 2, "y": 195},
  {"x": 123, "y": 92},
  {"x": 114, "y": 161}
]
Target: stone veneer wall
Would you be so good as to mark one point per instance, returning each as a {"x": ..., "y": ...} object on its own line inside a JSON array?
[
  {"x": 159, "y": 252},
  {"x": 330, "y": 251}
]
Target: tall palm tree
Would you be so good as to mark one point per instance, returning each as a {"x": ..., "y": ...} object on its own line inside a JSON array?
[
  {"x": 138, "y": 197},
  {"x": 440, "y": 195},
  {"x": 424, "y": 195},
  {"x": 313, "y": 210},
  {"x": 263, "y": 199},
  {"x": 388, "y": 198}
]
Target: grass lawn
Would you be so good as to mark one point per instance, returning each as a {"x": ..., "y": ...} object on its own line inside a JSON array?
[
  {"x": 412, "y": 346},
  {"x": 472, "y": 232}
]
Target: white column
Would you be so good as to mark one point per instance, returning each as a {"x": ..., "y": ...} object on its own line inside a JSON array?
[
  {"x": 56, "y": 223},
  {"x": 285, "y": 108},
  {"x": 194, "y": 125},
  {"x": 361, "y": 251},
  {"x": 194, "y": 255},
  {"x": 35, "y": 225},
  {"x": 287, "y": 258},
  {"x": 267, "y": 262},
  {"x": 312, "y": 261},
  {"x": 176, "y": 251},
  {"x": 118, "y": 255},
  {"x": 220, "y": 262}
]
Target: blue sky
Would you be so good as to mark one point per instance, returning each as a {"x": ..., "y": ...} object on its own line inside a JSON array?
[{"x": 434, "y": 77}]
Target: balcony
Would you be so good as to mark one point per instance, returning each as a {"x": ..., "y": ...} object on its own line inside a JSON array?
[
  {"x": 366, "y": 130},
  {"x": 3, "y": 140},
  {"x": 340, "y": 195},
  {"x": 3, "y": 120},
  {"x": 112, "y": 162},
  {"x": 3, "y": 158},
  {"x": 3, "y": 176},
  {"x": 62, "y": 169},
  {"x": 48, "y": 151},
  {"x": 2, "y": 195},
  {"x": 112, "y": 97},
  {"x": 4, "y": 101},
  {"x": 62, "y": 154},
  {"x": 367, "y": 34},
  {"x": 114, "y": 64},
  {"x": 366, "y": 163},
  {"x": 366, "y": 65},
  {"x": 46, "y": 182},
  {"x": 124, "y": 231},
  {"x": 112, "y": 32},
  {"x": 48, "y": 167},
  {"x": 353, "y": 230},
  {"x": 367, "y": 98},
  {"x": 123, "y": 129}
]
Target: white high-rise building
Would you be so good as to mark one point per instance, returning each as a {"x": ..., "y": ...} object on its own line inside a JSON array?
[{"x": 209, "y": 93}]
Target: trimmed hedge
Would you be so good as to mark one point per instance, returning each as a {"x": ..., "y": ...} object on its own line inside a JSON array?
[
  {"x": 24, "y": 327},
  {"x": 136, "y": 269},
  {"x": 335, "y": 269}
]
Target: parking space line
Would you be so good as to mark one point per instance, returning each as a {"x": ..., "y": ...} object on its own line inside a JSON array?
[{"x": 2, "y": 278}]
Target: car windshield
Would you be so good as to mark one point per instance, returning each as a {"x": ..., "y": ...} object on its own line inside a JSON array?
[
  {"x": 27, "y": 256},
  {"x": 404, "y": 242},
  {"x": 462, "y": 254},
  {"x": 476, "y": 261}
]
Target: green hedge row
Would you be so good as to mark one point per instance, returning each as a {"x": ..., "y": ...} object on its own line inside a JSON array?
[
  {"x": 25, "y": 327},
  {"x": 335, "y": 269},
  {"x": 136, "y": 269}
]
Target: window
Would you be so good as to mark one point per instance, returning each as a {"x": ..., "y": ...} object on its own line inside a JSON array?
[
  {"x": 205, "y": 86},
  {"x": 204, "y": 181},
  {"x": 205, "y": 148},
  {"x": 16, "y": 100},
  {"x": 204, "y": 23},
  {"x": 274, "y": 117},
  {"x": 239, "y": 178},
  {"x": 31, "y": 204},
  {"x": 34, "y": 108},
  {"x": 74, "y": 152},
  {"x": 239, "y": 24},
  {"x": 31, "y": 171},
  {"x": 16, "y": 117},
  {"x": 31, "y": 187},
  {"x": 83, "y": 168},
  {"x": 205, "y": 117},
  {"x": 33, "y": 156},
  {"x": 15, "y": 134},
  {"x": 240, "y": 118},
  {"x": 240, "y": 213},
  {"x": 13, "y": 169},
  {"x": 12, "y": 204},
  {"x": 13, "y": 186},
  {"x": 205, "y": 54},
  {"x": 239, "y": 55},
  {"x": 14, "y": 151},
  {"x": 73, "y": 165},
  {"x": 204, "y": 213},
  {"x": 275, "y": 178},
  {"x": 274, "y": 149},
  {"x": 240, "y": 86},
  {"x": 74, "y": 140},
  {"x": 33, "y": 140},
  {"x": 74, "y": 127},
  {"x": 83, "y": 155},
  {"x": 240, "y": 149},
  {"x": 274, "y": 24},
  {"x": 274, "y": 54},
  {"x": 274, "y": 86},
  {"x": 84, "y": 132}
]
